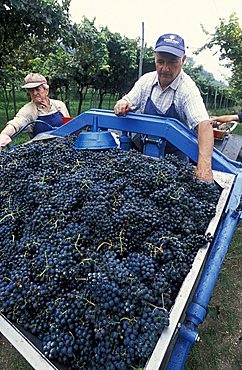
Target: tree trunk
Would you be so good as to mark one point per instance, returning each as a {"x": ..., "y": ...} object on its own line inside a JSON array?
[
  {"x": 14, "y": 100},
  {"x": 67, "y": 98},
  {"x": 53, "y": 91},
  {"x": 6, "y": 102},
  {"x": 215, "y": 99},
  {"x": 220, "y": 101},
  {"x": 101, "y": 97},
  {"x": 92, "y": 102},
  {"x": 82, "y": 94},
  {"x": 207, "y": 98},
  {"x": 80, "y": 102},
  {"x": 109, "y": 101}
]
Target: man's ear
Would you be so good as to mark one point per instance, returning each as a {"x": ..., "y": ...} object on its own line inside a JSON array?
[{"x": 184, "y": 59}]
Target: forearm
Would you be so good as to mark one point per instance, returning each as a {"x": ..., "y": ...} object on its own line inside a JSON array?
[
  {"x": 25, "y": 115},
  {"x": 227, "y": 118},
  {"x": 9, "y": 130},
  {"x": 230, "y": 117},
  {"x": 205, "y": 150}
]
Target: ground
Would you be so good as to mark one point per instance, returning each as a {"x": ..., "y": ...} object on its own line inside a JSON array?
[{"x": 10, "y": 359}]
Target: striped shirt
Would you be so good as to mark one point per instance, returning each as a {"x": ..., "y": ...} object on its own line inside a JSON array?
[
  {"x": 182, "y": 91},
  {"x": 30, "y": 111}
]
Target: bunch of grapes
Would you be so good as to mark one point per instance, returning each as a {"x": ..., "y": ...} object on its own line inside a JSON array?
[{"x": 95, "y": 246}]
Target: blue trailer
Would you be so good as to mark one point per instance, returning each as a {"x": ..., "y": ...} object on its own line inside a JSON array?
[{"x": 189, "y": 310}]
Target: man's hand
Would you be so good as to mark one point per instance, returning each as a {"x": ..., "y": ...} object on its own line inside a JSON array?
[
  {"x": 4, "y": 140},
  {"x": 204, "y": 172},
  {"x": 121, "y": 107}
]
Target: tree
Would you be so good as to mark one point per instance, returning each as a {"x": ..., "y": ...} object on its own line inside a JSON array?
[
  {"x": 149, "y": 60},
  {"x": 122, "y": 68},
  {"x": 21, "y": 19},
  {"x": 88, "y": 56},
  {"x": 29, "y": 31},
  {"x": 227, "y": 39}
]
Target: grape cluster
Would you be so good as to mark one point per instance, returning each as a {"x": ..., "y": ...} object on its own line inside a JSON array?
[{"x": 95, "y": 246}]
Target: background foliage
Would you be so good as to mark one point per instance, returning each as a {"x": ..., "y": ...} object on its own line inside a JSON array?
[
  {"x": 227, "y": 39},
  {"x": 80, "y": 60}
]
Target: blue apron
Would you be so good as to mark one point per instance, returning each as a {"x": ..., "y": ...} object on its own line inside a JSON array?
[
  {"x": 54, "y": 120},
  {"x": 150, "y": 108}
]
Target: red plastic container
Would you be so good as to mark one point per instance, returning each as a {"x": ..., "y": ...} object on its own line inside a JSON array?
[{"x": 66, "y": 119}]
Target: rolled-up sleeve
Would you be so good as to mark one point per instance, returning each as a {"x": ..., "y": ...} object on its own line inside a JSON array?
[
  {"x": 190, "y": 103},
  {"x": 194, "y": 109},
  {"x": 25, "y": 115}
]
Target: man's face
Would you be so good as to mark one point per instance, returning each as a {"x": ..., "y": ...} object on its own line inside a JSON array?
[
  {"x": 168, "y": 67},
  {"x": 38, "y": 94}
]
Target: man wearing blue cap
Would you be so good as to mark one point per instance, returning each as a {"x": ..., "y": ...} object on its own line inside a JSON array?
[{"x": 170, "y": 92}]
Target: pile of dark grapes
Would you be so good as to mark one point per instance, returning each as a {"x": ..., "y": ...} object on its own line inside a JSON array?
[{"x": 95, "y": 246}]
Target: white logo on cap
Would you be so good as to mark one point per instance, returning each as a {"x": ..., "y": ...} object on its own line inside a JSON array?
[{"x": 172, "y": 40}]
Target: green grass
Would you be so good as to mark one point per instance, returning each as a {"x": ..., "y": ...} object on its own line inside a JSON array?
[
  {"x": 10, "y": 359},
  {"x": 238, "y": 129}
]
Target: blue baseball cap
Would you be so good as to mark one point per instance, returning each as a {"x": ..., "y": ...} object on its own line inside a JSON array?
[{"x": 170, "y": 43}]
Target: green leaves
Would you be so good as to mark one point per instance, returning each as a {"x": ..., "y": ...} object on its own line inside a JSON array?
[
  {"x": 22, "y": 19},
  {"x": 39, "y": 36},
  {"x": 227, "y": 38}
]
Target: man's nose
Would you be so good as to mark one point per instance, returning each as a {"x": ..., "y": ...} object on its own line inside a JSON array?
[{"x": 165, "y": 66}]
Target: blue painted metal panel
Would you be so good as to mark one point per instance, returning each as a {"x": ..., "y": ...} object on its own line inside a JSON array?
[{"x": 168, "y": 128}]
